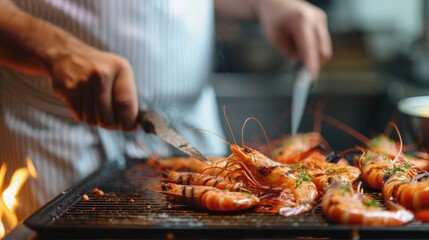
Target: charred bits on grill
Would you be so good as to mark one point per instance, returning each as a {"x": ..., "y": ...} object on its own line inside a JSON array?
[{"x": 97, "y": 192}]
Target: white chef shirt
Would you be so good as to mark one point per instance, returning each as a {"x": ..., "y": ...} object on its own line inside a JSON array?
[{"x": 169, "y": 45}]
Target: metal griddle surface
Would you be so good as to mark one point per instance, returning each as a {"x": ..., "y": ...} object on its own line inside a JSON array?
[{"x": 129, "y": 210}]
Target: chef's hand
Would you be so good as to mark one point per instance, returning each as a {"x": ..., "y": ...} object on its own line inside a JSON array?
[
  {"x": 97, "y": 86},
  {"x": 298, "y": 29}
]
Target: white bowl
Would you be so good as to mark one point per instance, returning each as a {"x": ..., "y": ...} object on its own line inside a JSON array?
[{"x": 415, "y": 111}]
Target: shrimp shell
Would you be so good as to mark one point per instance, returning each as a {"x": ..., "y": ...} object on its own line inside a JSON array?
[
  {"x": 177, "y": 164},
  {"x": 209, "y": 197},
  {"x": 373, "y": 166},
  {"x": 342, "y": 204},
  {"x": 410, "y": 193},
  {"x": 293, "y": 147},
  {"x": 334, "y": 172},
  {"x": 260, "y": 171},
  {"x": 291, "y": 202},
  {"x": 200, "y": 179}
]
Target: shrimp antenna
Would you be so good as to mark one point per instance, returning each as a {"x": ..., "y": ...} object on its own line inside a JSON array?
[
  {"x": 355, "y": 149},
  {"x": 399, "y": 137},
  {"x": 340, "y": 125},
  {"x": 216, "y": 134},
  {"x": 262, "y": 129},
  {"x": 406, "y": 147},
  {"x": 321, "y": 105},
  {"x": 229, "y": 125},
  {"x": 393, "y": 116}
]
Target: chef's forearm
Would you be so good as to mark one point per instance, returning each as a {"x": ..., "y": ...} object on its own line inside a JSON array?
[
  {"x": 29, "y": 44},
  {"x": 240, "y": 9}
]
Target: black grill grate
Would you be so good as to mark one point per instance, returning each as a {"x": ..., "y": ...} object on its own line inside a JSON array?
[{"x": 129, "y": 209}]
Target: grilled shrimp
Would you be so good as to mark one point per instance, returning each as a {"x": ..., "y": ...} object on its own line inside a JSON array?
[
  {"x": 177, "y": 164},
  {"x": 291, "y": 202},
  {"x": 373, "y": 166},
  {"x": 294, "y": 147},
  {"x": 386, "y": 145},
  {"x": 383, "y": 144},
  {"x": 412, "y": 193},
  {"x": 397, "y": 179},
  {"x": 200, "y": 179},
  {"x": 377, "y": 168},
  {"x": 323, "y": 172},
  {"x": 209, "y": 197},
  {"x": 333, "y": 173},
  {"x": 297, "y": 193},
  {"x": 402, "y": 181},
  {"x": 342, "y": 204},
  {"x": 260, "y": 172}
]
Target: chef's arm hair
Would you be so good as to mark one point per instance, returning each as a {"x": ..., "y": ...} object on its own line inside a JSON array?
[{"x": 29, "y": 44}]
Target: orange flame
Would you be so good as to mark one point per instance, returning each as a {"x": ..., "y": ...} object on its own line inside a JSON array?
[{"x": 8, "y": 200}]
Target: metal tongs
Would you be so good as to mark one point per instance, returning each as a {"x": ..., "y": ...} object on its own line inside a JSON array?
[
  {"x": 152, "y": 122},
  {"x": 303, "y": 82}
]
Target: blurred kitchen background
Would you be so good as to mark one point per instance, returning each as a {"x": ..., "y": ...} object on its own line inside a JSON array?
[{"x": 380, "y": 56}]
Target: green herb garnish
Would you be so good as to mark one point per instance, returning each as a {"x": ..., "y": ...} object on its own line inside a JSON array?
[
  {"x": 397, "y": 169},
  {"x": 371, "y": 203},
  {"x": 407, "y": 165},
  {"x": 344, "y": 189},
  {"x": 302, "y": 176}
]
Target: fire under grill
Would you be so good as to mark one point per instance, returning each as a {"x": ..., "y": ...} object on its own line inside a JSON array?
[{"x": 129, "y": 210}]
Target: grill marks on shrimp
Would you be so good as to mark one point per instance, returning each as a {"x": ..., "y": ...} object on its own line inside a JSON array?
[
  {"x": 265, "y": 171},
  {"x": 209, "y": 197},
  {"x": 201, "y": 179}
]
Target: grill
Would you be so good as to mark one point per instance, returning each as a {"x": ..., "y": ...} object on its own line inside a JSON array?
[{"x": 129, "y": 210}]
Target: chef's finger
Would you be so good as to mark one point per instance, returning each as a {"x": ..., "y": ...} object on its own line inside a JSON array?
[
  {"x": 125, "y": 98},
  {"x": 88, "y": 103},
  {"x": 74, "y": 101},
  {"x": 324, "y": 40},
  {"x": 68, "y": 96},
  {"x": 306, "y": 41},
  {"x": 104, "y": 108}
]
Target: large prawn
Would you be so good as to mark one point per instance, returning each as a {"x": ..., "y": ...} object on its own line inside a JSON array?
[
  {"x": 177, "y": 164},
  {"x": 374, "y": 167},
  {"x": 335, "y": 173},
  {"x": 297, "y": 147},
  {"x": 396, "y": 177},
  {"x": 385, "y": 145},
  {"x": 342, "y": 204},
  {"x": 201, "y": 179},
  {"x": 272, "y": 179},
  {"x": 209, "y": 197},
  {"x": 323, "y": 172},
  {"x": 296, "y": 193},
  {"x": 412, "y": 193}
]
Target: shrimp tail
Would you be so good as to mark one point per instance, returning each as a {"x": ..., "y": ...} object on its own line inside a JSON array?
[{"x": 292, "y": 211}]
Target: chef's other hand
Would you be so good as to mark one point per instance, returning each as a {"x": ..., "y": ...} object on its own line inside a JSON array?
[
  {"x": 97, "y": 86},
  {"x": 298, "y": 29}
]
